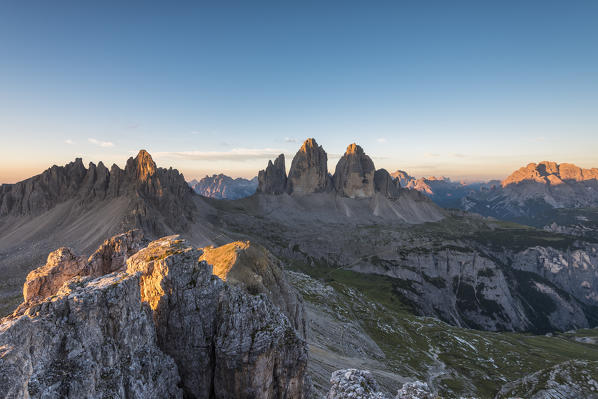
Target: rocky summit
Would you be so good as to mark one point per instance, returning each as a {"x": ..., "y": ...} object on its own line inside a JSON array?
[
  {"x": 273, "y": 180},
  {"x": 354, "y": 174},
  {"x": 309, "y": 169},
  {"x": 161, "y": 326}
]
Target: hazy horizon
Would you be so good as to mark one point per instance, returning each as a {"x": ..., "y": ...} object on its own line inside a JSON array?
[
  {"x": 471, "y": 91},
  {"x": 162, "y": 159}
]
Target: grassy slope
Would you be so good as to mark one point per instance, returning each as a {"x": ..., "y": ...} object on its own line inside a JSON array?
[{"x": 464, "y": 361}]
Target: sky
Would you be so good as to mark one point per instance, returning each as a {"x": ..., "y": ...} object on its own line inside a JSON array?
[{"x": 467, "y": 89}]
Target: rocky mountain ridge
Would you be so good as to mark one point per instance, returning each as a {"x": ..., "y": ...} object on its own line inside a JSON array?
[
  {"x": 224, "y": 187},
  {"x": 535, "y": 190},
  {"x": 152, "y": 192}
]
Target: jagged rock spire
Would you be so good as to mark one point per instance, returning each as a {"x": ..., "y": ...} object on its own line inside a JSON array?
[
  {"x": 309, "y": 169},
  {"x": 273, "y": 179},
  {"x": 385, "y": 184}
]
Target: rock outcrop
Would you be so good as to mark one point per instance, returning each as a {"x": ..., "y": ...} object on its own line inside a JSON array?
[
  {"x": 93, "y": 339},
  {"x": 167, "y": 318},
  {"x": 354, "y": 174},
  {"x": 256, "y": 270},
  {"x": 244, "y": 348},
  {"x": 385, "y": 184},
  {"x": 353, "y": 383},
  {"x": 224, "y": 187},
  {"x": 361, "y": 384},
  {"x": 63, "y": 264},
  {"x": 309, "y": 170},
  {"x": 273, "y": 180}
]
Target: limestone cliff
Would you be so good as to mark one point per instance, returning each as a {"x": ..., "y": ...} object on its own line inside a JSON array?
[
  {"x": 255, "y": 269},
  {"x": 92, "y": 339},
  {"x": 273, "y": 180},
  {"x": 309, "y": 169},
  {"x": 385, "y": 184},
  {"x": 354, "y": 174}
]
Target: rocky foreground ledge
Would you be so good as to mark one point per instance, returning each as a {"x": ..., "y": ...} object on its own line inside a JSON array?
[
  {"x": 159, "y": 324},
  {"x": 162, "y": 319}
]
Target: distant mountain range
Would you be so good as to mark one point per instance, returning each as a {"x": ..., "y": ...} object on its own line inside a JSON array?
[
  {"x": 442, "y": 190},
  {"x": 549, "y": 195},
  {"x": 224, "y": 187},
  {"x": 535, "y": 189}
]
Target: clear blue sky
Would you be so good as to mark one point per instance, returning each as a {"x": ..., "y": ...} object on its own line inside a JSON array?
[{"x": 466, "y": 89}]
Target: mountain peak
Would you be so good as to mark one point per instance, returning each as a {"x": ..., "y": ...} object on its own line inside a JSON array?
[
  {"x": 354, "y": 173},
  {"x": 145, "y": 165},
  {"x": 548, "y": 172},
  {"x": 309, "y": 169},
  {"x": 308, "y": 145},
  {"x": 354, "y": 149}
]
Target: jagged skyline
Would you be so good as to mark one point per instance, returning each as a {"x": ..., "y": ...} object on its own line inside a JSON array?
[{"x": 471, "y": 91}]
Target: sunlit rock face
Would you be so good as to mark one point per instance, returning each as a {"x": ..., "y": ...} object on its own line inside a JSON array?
[
  {"x": 385, "y": 184},
  {"x": 354, "y": 174},
  {"x": 164, "y": 323},
  {"x": 256, "y": 270},
  {"x": 63, "y": 265},
  {"x": 273, "y": 180},
  {"x": 244, "y": 348},
  {"x": 93, "y": 339},
  {"x": 309, "y": 169}
]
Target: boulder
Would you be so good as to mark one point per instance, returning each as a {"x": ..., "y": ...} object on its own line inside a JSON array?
[
  {"x": 61, "y": 266},
  {"x": 355, "y": 384},
  {"x": 309, "y": 170},
  {"x": 354, "y": 174}
]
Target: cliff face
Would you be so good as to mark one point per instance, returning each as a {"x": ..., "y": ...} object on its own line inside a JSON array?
[
  {"x": 164, "y": 323},
  {"x": 273, "y": 180},
  {"x": 354, "y": 174},
  {"x": 255, "y": 269},
  {"x": 386, "y": 185},
  {"x": 309, "y": 169},
  {"x": 93, "y": 338}
]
